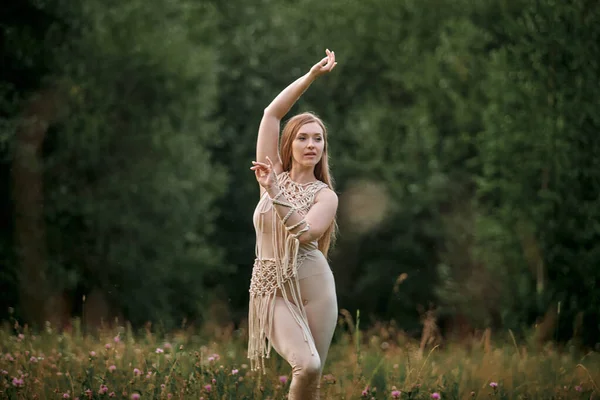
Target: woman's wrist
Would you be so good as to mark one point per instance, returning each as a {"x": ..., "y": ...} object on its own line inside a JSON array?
[
  {"x": 272, "y": 190},
  {"x": 311, "y": 76}
]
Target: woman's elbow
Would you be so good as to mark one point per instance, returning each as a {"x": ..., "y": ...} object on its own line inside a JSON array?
[{"x": 309, "y": 236}]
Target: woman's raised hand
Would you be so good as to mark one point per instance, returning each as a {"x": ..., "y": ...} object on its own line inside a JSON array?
[
  {"x": 325, "y": 65},
  {"x": 264, "y": 173}
]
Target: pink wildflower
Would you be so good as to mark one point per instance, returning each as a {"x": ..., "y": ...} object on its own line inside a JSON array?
[
  {"x": 493, "y": 385},
  {"x": 365, "y": 392},
  {"x": 135, "y": 396},
  {"x": 208, "y": 388},
  {"x": 66, "y": 396},
  {"x": 18, "y": 382},
  {"x": 136, "y": 371},
  {"x": 92, "y": 353},
  {"x": 396, "y": 394},
  {"x": 159, "y": 350},
  {"x": 283, "y": 379},
  {"x": 103, "y": 389},
  {"x": 435, "y": 396},
  {"x": 107, "y": 346},
  {"x": 234, "y": 372},
  {"x": 112, "y": 368}
]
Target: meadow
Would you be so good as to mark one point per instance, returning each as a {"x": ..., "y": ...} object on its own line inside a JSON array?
[{"x": 381, "y": 363}]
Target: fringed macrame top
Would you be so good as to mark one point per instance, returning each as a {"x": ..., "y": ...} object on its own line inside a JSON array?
[{"x": 279, "y": 255}]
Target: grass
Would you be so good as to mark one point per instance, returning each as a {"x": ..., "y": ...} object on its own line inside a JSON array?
[{"x": 379, "y": 364}]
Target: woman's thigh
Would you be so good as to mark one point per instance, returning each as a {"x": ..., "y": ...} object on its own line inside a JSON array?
[{"x": 320, "y": 302}]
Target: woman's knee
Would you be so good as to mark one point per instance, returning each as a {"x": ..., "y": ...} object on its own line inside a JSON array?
[{"x": 308, "y": 368}]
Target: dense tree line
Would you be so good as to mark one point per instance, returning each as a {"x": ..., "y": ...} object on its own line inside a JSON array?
[{"x": 463, "y": 137}]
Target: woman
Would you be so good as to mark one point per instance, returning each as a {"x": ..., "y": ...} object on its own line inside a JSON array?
[{"x": 293, "y": 305}]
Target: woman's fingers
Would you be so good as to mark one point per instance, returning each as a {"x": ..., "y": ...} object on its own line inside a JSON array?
[{"x": 263, "y": 165}]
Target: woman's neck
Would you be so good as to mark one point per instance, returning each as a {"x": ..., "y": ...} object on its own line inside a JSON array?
[{"x": 302, "y": 175}]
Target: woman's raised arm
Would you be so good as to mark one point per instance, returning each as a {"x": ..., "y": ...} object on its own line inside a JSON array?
[{"x": 267, "y": 144}]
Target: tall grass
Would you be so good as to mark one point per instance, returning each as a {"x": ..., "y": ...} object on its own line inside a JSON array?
[{"x": 378, "y": 364}]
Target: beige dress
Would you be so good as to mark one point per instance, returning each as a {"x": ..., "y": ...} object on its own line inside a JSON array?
[{"x": 281, "y": 262}]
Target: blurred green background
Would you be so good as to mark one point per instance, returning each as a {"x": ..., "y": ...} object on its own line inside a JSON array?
[{"x": 464, "y": 138}]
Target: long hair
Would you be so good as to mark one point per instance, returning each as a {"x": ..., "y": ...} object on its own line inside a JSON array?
[{"x": 322, "y": 171}]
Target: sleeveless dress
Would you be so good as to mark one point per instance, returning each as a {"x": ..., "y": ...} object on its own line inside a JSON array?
[{"x": 281, "y": 261}]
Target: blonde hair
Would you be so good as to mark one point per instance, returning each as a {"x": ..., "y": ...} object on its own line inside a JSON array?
[{"x": 322, "y": 171}]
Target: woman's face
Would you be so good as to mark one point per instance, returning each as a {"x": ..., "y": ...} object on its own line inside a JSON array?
[{"x": 308, "y": 145}]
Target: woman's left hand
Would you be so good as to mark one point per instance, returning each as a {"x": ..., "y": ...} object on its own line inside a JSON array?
[{"x": 265, "y": 175}]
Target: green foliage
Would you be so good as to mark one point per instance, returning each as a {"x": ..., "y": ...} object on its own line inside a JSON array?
[
  {"x": 538, "y": 182},
  {"x": 463, "y": 139},
  {"x": 120, "y": 364},
  {"x": 130, "y": 185}
]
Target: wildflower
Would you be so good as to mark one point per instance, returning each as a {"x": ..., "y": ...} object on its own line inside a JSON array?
[
  {"x": 33, "y": 360},
  {"x": 493, "y": 385},
  {"x": 211, "y": 359},
  {"x": 88, "y": 392},
  {"x": 283, "y": 379},
  {"x": 234, "y": 372},
  {"x": 18, "y": 382},
  {"x": 4, "y": 372},
  {"x": 117, "y": 339},
  {"x": 214, "y": 381},
  {"x": 112, "y": 394},
  {"x": 21, "y": 336},
  {"x": 396, "y": 394},
  {"x": 162, "y": 386},
  {"x": 435, "y": 396},
  {"x": 107, "y": 346},
  {"x": 135, "y": 396},
  {"x": 112, "y": 368},
  {"x": 9, "y": 357},
  {"x": 136, "y": 371},
  {"x": 578, "y": 388},
  {"x": 66, "y": 396},
  {"x": 365, "y": 392},
  {"x": 92, "y": 353},
  {"x": 159, "y": 350},
  {"x": 208, "y": 388},
  {"x": 167, "y": 346},
  {"x": 103, "y": 389},
  {"x": 169, "y": 396}
]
